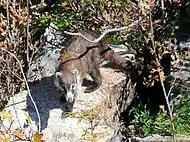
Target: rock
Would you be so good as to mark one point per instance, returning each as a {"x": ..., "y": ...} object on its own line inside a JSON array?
[
  {"x": 95, "y": 116},
  {"x": 158, "y": 138},
  {"x": 45, "y": 61}
]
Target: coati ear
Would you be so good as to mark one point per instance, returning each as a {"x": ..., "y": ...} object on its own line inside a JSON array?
[
  {"x": 57, "y": 78},
  {"x": 78, "y": 82},
  {"x": 77, "y": 75},
  {"x": 57, "y": 74},
  {"x": 75, "y": 72}
]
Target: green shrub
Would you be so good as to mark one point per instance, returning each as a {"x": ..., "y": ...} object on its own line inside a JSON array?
[{"x": 161, "y": 124}]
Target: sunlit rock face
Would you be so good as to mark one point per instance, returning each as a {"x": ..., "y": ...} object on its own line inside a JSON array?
[
  {"x": 94, "y": 117},
  {"x": 45, "y": 61}
]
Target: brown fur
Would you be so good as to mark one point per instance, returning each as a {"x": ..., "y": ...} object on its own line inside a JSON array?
[{"x": 84, "y": 57}]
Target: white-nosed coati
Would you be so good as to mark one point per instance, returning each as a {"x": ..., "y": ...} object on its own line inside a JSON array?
[{"x": 80, "y": 58}]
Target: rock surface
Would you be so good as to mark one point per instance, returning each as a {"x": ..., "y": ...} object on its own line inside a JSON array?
[
  {"x": 45, "y": 61},
  {"x": 158, "y": 138},
  {"x": 95, "y": 115},
  {"x": 94, "y": 118}
]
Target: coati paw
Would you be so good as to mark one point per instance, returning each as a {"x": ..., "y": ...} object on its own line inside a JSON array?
[
  {"x": 66, "y": 111},
  {"x": 65, "y": 114}
]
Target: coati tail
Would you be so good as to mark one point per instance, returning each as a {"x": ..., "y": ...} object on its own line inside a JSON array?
[{"x": 108, "y": 54}]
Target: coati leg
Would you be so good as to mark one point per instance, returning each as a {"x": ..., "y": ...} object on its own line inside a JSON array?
[{"x": 97, "y": 80}]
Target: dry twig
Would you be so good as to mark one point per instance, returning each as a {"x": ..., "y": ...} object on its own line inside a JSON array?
[
  {"x": 27, "y": 33},
  {"x": 105, "y": 32},
  {"x": 27, "y": 86},
  {"x": 161, "y": 81}
]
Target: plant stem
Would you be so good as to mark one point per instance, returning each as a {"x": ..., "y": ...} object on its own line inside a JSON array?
[
  {"x": 27, "y": 86},
  {"x": 27, "y": 32},
  {"x": 161, "y": 81}
]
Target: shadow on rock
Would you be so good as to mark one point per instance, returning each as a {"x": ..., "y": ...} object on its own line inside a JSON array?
[{"x": 47, "y": 100}]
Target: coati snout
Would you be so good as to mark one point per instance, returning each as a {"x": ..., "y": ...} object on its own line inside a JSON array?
[{"x": 68, "y": 84}]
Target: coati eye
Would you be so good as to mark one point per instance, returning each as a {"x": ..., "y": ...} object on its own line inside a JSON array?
[
  {"x": 69, "y": 88},
  {"x": 64, "y": 88},
  {"x": 73, "y": 87}
]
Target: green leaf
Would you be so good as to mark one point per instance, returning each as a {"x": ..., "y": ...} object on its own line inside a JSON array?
[
  {"x": 146, "y": 130},
  {"x": 28, "y": 117}
]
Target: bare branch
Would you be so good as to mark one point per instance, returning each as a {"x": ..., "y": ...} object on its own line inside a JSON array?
[
  {"x": 27, "y": 33},
  {"x": 27, "y": 86},
  {"x": 105, "y": 32},
  {"x": 8, "y": 20},
  {"x": 163, "y": 11},
  {"x": 15, "y": 74},
  {"x": 173, "y": 83},
  {"x": 161, "y": 81}
]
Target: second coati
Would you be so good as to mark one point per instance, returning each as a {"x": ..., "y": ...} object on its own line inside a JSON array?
[{"x": 79, "y": 58}]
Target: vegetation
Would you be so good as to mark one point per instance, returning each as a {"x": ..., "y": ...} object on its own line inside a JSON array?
[{"x": 145, "y": 124}]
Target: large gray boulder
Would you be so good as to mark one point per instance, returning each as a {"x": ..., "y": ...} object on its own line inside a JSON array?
[
  {"x": 46, "y": 58},
  {"x": 95, "y": 115}
]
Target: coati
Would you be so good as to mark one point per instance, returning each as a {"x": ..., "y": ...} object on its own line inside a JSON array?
[{"x": 79, "y": 58}]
